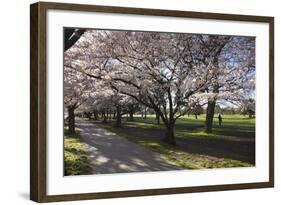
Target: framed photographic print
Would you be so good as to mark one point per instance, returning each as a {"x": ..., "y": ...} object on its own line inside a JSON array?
[{"x": 134, "y": 102}]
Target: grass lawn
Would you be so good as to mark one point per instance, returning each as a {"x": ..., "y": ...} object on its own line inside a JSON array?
[
  {"x": 75, "y": 156},
  {"x": 233, "y": 145}
]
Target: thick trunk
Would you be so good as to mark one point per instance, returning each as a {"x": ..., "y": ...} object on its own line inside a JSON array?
[
  {"x": 118, "y": 117},
  {"x": 157, "y": 118},
  {"x": 196, "y": 116},
  {"x": 71, "y": 120},
  {"x": 170, "y": 122},
  {"x": 210, "y": 116},
  {"x": 251, "y": 114},
  {"x": 170, "y": 134},
  {"x": 212, "y": 103},
  {"x": 104, "y": 118},
  {"x": 131, "y": 114}
]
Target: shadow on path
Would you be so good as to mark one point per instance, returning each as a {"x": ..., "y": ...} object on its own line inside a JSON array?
[{"x": 110, "y": 153}]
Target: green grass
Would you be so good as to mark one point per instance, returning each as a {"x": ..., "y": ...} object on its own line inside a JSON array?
[
  {"x": 236, "y": 128},
  {"x": 227, "y": 119},
  {"x": 233, "y": 125},
  {"x": 75, "y": 156}
]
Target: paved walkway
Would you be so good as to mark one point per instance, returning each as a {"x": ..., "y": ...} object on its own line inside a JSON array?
[{"x": 110, "y": 153}]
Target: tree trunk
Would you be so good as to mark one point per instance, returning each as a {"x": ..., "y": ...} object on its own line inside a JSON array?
[
  {"x": 170, "y": 122},
  {"x": 118, "y": 117},
  {"x": 170, "y": 134},
  {"x": 96, "y": 116},
  {"x": 131, "y": 118},
  {"x": 251, "y": 114},
  {"x": 196, "y": 116},
  {"x": 104, "y": 117},
  {"x": 210, "y": 116},
  {"x": 212, "y": 104},
  {"x": 110, "y": 114},
  {"x": 71, "y": 120},
  {"x": 157, "y": 118},
  {"x": 145, "y": 113}
]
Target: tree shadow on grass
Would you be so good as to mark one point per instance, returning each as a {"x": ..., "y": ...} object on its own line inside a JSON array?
[
  {"x": 238, "y": 150},
  {"x": 232, "y": 142}
]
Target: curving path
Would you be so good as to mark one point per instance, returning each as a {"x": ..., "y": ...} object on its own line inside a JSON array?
[{"x": 110, "y": 153}]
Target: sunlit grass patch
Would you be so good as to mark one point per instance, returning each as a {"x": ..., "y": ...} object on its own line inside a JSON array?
[
  {"x": 144, "y": 125},
  {"x": 195, "y": 133},
  {"x": 229, "y": 120},
  {"x": 75, "y": 156},
  {"x": 150, "y": 143}
]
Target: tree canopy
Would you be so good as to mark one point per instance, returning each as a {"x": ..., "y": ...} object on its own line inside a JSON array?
[{"x": 171, "y": 73}]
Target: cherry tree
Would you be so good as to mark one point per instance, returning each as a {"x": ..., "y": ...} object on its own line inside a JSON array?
[
  {"x": 167, "y": 72},
  {"x": 109, "y": 99},
  {"x": 78, "y": 88},
  {"x": 159, "y": 70},
  {"x": 76, "y": 91},
  {"x": 130, "y": 106},
  {"x": 231, "y": 61},
  {"x": 196, "y": 110},
  {"x": 248, "y": 107}
]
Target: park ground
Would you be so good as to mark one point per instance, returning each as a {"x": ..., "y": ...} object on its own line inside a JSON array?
[{"x": 232, "y": 145}]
